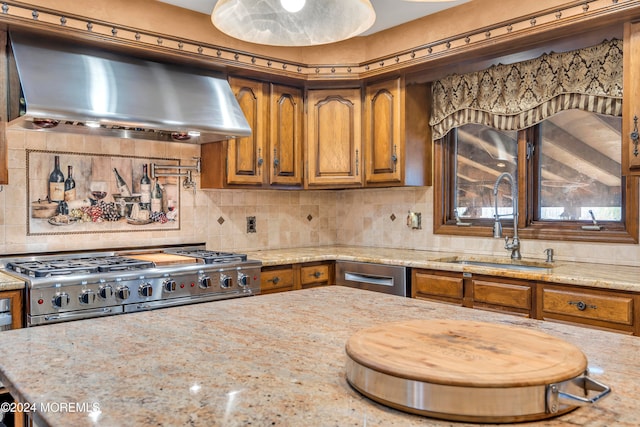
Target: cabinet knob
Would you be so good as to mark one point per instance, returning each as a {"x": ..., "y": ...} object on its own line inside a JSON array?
[
  {"x": 317, "y": 274},
  {"x": 275, "y": 280},
  {"x": 260, "y": 159},
  {"x": 582, "y": 306}
]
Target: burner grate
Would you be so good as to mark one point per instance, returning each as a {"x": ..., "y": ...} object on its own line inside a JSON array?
[
  {"x": 211, "y": 257},
  {"x": 89, "y": 265},
  {"x": 56, "y": 267}
]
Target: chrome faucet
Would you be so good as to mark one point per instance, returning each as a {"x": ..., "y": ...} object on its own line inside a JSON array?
[{"x": 514, "y": 246}]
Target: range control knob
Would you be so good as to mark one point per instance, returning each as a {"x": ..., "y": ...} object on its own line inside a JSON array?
[
  {"x": 60, "y": 300},
  {"x": 122, "y": 292},
  {"x": 204, "y": 282},
  {"x": 105, "y": 291},
  {"x": 87, "y": 296},
  {"x": 169, "y": 285},
  {"x": 243, "y": 279},
  {"x": 145, "y": 290},
  {"x": 225, "y": 281}
]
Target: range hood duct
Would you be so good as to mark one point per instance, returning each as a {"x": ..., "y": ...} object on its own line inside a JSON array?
[{"x": 75, "y": 89}]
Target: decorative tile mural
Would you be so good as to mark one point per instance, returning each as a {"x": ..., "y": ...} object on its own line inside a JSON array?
[{"x": 80, "y": 193}]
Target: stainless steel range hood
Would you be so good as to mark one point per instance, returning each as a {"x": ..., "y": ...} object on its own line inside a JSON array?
[{"x": 76, "y": 89}]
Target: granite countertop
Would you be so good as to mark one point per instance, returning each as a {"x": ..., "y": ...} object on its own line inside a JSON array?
[
  {"x": 274, "y": 359},
  {"x": 10, "y": 283},
  {"x": 604, "y": 276},
  {"x": 625, "y": 278}
]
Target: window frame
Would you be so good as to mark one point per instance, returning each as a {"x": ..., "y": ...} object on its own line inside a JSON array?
[{"x": 625, "y": 231}]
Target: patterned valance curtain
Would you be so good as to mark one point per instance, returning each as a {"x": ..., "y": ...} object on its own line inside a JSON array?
[{"x": 517, "y": 96}]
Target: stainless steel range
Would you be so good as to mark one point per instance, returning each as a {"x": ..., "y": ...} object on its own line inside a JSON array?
[{"x": 83, "y": 285}]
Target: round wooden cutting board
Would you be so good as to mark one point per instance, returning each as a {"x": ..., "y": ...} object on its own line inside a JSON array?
[{"x": 461, "y": 370}]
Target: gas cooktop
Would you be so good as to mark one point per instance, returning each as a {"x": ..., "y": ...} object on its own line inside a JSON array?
[{"x": 73, "y": 286}]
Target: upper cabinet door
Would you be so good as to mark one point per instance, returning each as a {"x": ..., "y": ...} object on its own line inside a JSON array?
[
  {"x": 631, "y": 104},
  {"x": 245, "y": 156},
  {"x": 334, "y": 141},
  {"x": 383, "y": 132},
  {"x": 285, "y": 143}
]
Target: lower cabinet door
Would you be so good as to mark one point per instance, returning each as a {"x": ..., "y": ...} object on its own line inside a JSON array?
[
  {"x": 435, "y": 285},
  {"x": 602, "y": 309},
  {"x": 276, "y": 280}
]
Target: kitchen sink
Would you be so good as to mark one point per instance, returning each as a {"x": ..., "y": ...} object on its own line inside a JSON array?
[{"x": 508, "y": 264}]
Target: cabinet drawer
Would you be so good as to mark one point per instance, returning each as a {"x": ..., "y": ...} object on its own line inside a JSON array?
[
  {"x": 612, "y": 308},
  {"x": 425, "y": 284},
  {"x": 272, "y": 280},
  {"x": 314, "y": 274},
  {"x": 504, "y": 294}
]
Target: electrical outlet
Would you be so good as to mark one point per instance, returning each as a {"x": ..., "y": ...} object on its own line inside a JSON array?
[
  {"x": 251, "y": 224},
  {"x": 414, "y": 220}
]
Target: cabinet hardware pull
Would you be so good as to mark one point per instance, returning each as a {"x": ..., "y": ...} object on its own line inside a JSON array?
[
  {"x": 317, "y": 274},
  {"x": 276, "y": 161},
  {"x": 394, "y": 157},
  {"x": 260, "y": 160},
  {"x": 635, "y": 135},
  {"x": 275, "y": 280},
  {"x": 581, "y": 305},
  {"x": 357, "y": 162}
]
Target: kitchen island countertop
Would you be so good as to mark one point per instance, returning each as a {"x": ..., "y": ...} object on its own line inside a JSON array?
[
  {"x": 269, "y": 360},
  {"x": 605, "y": 276}
]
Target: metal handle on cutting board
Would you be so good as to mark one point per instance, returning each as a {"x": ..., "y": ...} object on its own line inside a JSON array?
[{"x": 559, "y": 395}]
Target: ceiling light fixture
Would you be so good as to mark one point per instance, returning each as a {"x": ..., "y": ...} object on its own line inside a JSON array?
[
  {"x": 293, "y": 22},
  {"x": 292, "y": 6}
]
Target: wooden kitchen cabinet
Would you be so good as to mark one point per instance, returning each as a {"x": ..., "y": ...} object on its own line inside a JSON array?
[
  {"x": 397, "y": 136},
  {"x": 502, "y": 294},
  {"x": 285, "y": 141},
  {"x": 437, "y": 286},
  {"x": 604, "y": 309},
  {"x": 245, "y": 156},
  {"x": 631, "y": 97},
  {"x": 612, "y": 310},
  {"x": 240, "y": 161},
  {"x": 333, "y": 149},
  {"x": 276, "y": 279},
  {"x": 317, "y": 274},
  {"x": 17, "y": 314},
  {"x": 17, "y": 311},
  {"x": 272, "y": 155},
  {"x": 282, "y": 278}
]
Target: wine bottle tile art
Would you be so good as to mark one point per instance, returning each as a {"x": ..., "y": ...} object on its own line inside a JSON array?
[{"x": 97, "y": 206}]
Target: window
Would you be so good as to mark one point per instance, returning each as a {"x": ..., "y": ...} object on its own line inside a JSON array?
[
  {"x": 482, "y": 154},
  {"x": 566, "y": 169},
  {"x": 579, "y": 173}
]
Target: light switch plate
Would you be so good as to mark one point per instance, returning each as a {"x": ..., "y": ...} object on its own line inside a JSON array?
[{"x": 251, "y": 224}]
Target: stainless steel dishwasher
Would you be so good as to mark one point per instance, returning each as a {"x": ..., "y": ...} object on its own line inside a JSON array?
[{"x": 389, "y": 279}]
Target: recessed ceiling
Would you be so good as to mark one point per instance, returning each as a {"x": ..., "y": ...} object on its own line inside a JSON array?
[{"x": 389, "y": 13}]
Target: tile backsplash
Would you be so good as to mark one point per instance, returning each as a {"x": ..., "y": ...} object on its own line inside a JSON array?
[{"x": 364, "y": 217}]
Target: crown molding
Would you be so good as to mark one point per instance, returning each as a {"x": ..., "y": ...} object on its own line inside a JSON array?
[{"x": 571, "y": 18}]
